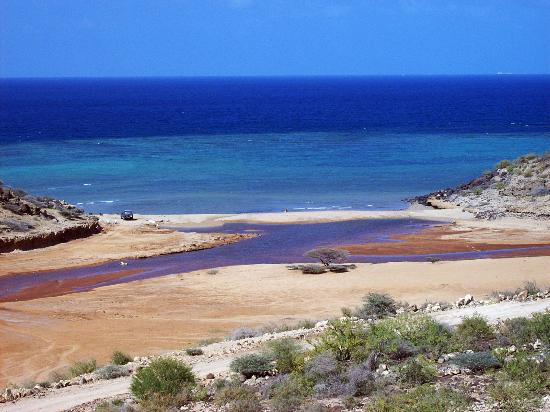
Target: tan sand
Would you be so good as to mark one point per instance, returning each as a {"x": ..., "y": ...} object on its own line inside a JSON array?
[
  {"x": 155, "y": 315},
  {"x": 119, "y": 241}
]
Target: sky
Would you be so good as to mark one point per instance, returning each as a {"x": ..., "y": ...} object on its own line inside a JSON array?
[{"x": 111, "y": 38}]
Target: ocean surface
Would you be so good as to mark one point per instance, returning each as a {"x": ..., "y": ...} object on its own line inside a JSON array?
[{"x": 182, "y": 145}]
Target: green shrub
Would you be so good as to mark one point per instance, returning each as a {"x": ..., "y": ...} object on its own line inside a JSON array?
[
  {"x": 321, "y": 366},
  {"x": 423, "y": 398},
  {"x": 532, "y": 374},
  {"x": 474, "y": 333},
  {"x": 112, "y": 371},
  {"x": 376, "y": 306},
  {"x": 477, "y": 191},
  {"x": 345, "y": 339},
  {"x": 419, "y": 330},
  {"x": 503, "y": 164},
  {"x": 417, "y": 371},
  {"x": 237, "y": 398},
  {"x": 194, "y": 351},
  {"x": 254, "y": 364},
  {"x": 290, "y": 394},
  {"x": 521, "y": 331},
  {"x": 500, "y": 185},
  {"x": 157, "y": 402},
  {"x": 120, "y": 358},
  {"x": 286, "y": 353},
  {"x": 163, "y": 376},
  {"x": 513, "y": 396},
  {"x": 477, "y": 361},
  {"x": 82, "y": 367}
]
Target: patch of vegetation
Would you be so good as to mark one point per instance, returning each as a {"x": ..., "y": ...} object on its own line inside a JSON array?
[
  {"x": 120, "y": 358},
  {"x": 82, "y": 367},
  {"x": 419, "y": 330},
  {"x": 345, "y": 339},
  {"x": 237, "y": 398},
  {"x": 520, "y": 383},
  {"x": 321, "y": 366},
  {"x": 254, "y": 364},
  {"x": 112, "y": 371},
  {"x": 477, "y": 361},
  {"x": 163, "y": 376},
  {"x": 376, "y": 306},
  {"x": 194, "y": 351},
  {"x": 500, "y": 185},
  {"x": 290, "y": 394},
  {"x": 477, "y": 191},
  {"x": 313, "y": 269},
  {"x": 503, "y": 164},
  {"x": 423, "y": 398},
  {"x": 286, "y": 353},
  {"x": 433, "y": 260},
  {"x": 521, "y": 331},
  {"x": 418, "y": 371},
  {"x": 474, "y": 333},
  {"x": 242, "y": 333},
  {"x": 212, "y": 271}
]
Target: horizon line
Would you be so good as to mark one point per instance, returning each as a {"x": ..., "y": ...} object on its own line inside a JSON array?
[{"x": 260, "y": 76}]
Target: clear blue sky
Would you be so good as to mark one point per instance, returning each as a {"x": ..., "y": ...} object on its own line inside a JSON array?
[{"x": 41, "y": 38}]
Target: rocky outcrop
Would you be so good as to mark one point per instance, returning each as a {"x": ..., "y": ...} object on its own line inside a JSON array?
[
  {"x": 519, "y": 188},
  {"x": 29, "y": 222}
]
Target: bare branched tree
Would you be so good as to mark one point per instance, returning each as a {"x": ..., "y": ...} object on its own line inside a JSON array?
[{"x": 328, "y": 255}]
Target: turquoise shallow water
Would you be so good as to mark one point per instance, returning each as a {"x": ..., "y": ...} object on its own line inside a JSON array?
[
  {"x": 181, "y": 145},
  {"x": 255, "y": 172}
]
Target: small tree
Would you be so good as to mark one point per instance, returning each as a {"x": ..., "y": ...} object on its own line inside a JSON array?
[{"x": 328, "y": 255}]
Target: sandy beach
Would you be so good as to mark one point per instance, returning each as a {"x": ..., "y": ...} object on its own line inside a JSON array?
[
  {"x": 156, "y": 315},
  {"x": 150, "y": 316}
]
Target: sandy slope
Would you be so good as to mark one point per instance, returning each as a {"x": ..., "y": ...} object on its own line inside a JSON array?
[
  {"x": 154, "y": 315},
  {"x": 62, "y": 399}
]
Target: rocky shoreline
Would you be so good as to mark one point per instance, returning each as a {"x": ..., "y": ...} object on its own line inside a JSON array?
[
  {"x": 29, "y": 222},
  {"x": 516, "y": 188}
]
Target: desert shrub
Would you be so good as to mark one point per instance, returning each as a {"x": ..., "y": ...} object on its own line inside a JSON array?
[
  {"x": 503, "y": 164},
  {"x": 500, "y": 185},
  {"x": 402, "y": 350},
  {"x": 82, "y": 367},
  {"x": 305, "y": 324},
  {"x": 477, "y": 361},
  {"x": 237, "y": 398},
  {"x": 208, "y": 341},
  {"x": 286, "y": 353},
  {"x": 345, "y": 339},
  {"x": 513, "y": 396},
  {"x": 477, "y": 191},
  {"x": 418, "y": 371},
  {"x": 419, "y": 330},
  {"x": 212, "y": 271},
  {"x": 338, "y": 268},
  {"x": 163, "y": 376},
  {"x": 254, "y": 364},
  {"x": 360, "y": 380},
  {"x": 242, "y": 333},
  {"x": 376, "y": 306},
  {"x": 520, "y": 331},
  {"x": 157, "y": 402},
  {"x": 112, "y": 371},
  {"x": 321, "y": 366},
  {"x": 424, "y": 398},
  {"x": 290, "y": 394},
  {"x": 433, "y": 259},
  {"x": 474, "y": 333},
  {"x": 527, "y": 370},
  {"x": 194, "y": 351},
  {"x": 313, "y": 269},
  {"x": 120, "y": 358},
  {"x": 328, "y": 255}
]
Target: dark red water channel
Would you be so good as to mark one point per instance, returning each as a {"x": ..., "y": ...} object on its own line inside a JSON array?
[{"x": 276, "y": 243}]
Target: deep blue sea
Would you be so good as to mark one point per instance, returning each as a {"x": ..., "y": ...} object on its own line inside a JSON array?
[{"x": 184, "y": 145}]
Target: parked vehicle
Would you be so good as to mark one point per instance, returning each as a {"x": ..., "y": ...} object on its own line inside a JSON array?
[{"x": 127, "y": 215}]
